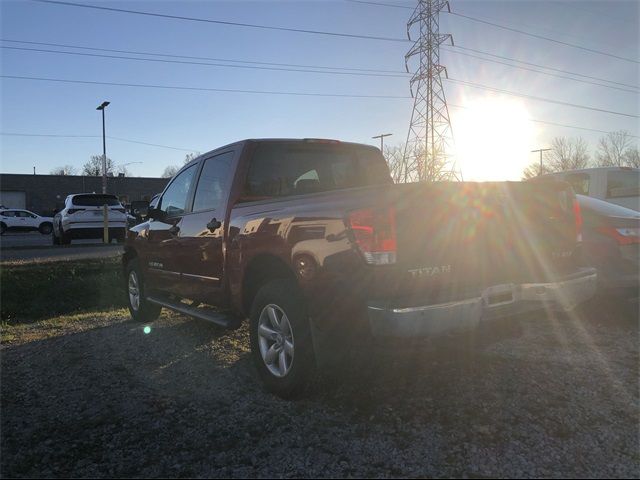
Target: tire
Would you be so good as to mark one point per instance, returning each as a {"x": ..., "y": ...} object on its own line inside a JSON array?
[
  {"x": 45, "y": 228},
  {"x": 288, "y": 338},
  {"x": 55, "y": 240},
  {"x": 3, "y": 228},
  {"x": 142, "y": 310}
]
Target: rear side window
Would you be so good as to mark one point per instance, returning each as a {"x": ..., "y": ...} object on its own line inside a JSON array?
[
  {"x": 579, "y": 182},
  {"x": 213, "y": 182},
  {"x": 282, "y": 169},
  {"x": 174, "y": 199},
  {"x": 623, "y": 183},
  {"x": 9, "y": 213},
  {"x": 95, "y": 200}
]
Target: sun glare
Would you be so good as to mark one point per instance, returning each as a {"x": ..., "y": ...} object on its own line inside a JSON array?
[{"x": 493, "y": 139}]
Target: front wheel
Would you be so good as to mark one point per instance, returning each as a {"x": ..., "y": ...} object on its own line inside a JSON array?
[
  {"x": 281, "y": 344},
  {"x": 140, "y": 308},
  {"x": 3, "y": 228},
  {"x": 45, "y": 228}
]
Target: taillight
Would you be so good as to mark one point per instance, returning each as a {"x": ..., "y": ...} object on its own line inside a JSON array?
[
  {"x": 623, "y": 236},
  {"x": 577, "y": 214},
  {"x": 374, "y": 232},
  {"x": 71, "y": 211}
]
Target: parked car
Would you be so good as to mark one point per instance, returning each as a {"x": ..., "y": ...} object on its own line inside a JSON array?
[
  {"x": 611, "y": 243},
  {"x": 618, "y": 185},
  {"x": 24, "y": 220},
  {"x": 83, "y": 217},
  {"x": 313, "y": 243}
]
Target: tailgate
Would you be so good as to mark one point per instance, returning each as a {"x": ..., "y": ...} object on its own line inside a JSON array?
[{"x": 456, "y": 239}]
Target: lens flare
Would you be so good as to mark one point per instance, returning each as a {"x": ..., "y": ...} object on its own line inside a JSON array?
[{"x": 147, "y": 330}]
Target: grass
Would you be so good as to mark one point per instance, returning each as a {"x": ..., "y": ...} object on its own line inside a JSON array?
[{"x": 32, "y": 291}]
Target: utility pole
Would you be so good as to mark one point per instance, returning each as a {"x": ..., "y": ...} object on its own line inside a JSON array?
[
  {"x": 541, "y": 150},
  {"x": 430, "y": 134},
  {"x": 381, "y": 137}
]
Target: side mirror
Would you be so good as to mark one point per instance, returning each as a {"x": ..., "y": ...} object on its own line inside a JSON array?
[
  {"x": 140, "y": 208},
  {"x": 156, "y": 214}
]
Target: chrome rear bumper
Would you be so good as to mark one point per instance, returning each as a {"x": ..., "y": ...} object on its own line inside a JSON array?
[{"x": 495, "y": 301}]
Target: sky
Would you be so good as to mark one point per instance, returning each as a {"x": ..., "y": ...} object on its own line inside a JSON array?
[{"x": 494, "y": 132}]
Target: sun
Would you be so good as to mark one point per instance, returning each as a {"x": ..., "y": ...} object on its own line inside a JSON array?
[{"x": 493, "y": 139}]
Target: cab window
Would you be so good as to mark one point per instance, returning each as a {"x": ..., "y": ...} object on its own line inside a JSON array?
[
  {"x": 213, "y": 182},
  {"x": 623, "y": 183},
  {"x": 579, "y": 182},
  {"x": 174, "y": 200}
]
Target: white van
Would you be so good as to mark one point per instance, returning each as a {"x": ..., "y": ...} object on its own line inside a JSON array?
[{"x": 619, "y": 185}]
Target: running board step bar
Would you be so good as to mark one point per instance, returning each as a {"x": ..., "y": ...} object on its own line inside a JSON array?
[{"x": 212, "y": 316}]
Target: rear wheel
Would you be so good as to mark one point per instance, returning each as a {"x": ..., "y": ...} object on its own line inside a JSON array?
[
  {"x": 281, "y": 344},
  {"x": 3, "y": 228},
  {"x": 140, "y": 308},
  {"x": 45, "y": 228}
]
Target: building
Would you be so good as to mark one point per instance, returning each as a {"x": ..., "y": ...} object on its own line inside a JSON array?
[{"x": 44, "y": 193}]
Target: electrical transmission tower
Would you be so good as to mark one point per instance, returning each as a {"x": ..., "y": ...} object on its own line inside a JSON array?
[{"x": 429, "y": 138}]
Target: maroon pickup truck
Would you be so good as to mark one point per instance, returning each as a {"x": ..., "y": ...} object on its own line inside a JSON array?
[{"x": 310, "y": 239}]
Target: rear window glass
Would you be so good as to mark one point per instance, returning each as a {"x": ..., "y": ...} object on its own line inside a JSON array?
[
  {"x": 95, "y": 200},
  {"x": 282, "y": 169},
  {"x": 623, "y": 183}
]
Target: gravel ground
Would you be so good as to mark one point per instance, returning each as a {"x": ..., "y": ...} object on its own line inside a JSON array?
[{"x": 92, "y": 395}]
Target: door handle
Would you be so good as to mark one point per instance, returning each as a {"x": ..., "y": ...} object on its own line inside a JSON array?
[
  {"x": 213, "y": 225},
  {"x": 174, "y": 230}
]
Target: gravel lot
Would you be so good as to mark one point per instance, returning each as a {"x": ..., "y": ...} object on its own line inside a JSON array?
[{"x": 92, "y": 395}]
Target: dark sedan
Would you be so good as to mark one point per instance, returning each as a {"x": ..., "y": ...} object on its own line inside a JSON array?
[{"x": 611, "y": 244}]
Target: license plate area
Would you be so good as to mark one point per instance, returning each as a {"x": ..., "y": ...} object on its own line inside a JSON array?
[{"x": 498, "y": 295}]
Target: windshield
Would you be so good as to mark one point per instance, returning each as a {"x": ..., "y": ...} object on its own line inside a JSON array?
[{"x": 95, "y": 200}]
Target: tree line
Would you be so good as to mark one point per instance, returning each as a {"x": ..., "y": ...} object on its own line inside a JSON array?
[
  {"x": 92, "y": 168},
  {"x": 616, "y": 149}
]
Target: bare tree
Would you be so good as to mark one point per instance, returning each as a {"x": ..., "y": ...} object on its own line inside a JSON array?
[
  {"x": 568, "y": 154},
  {"x": 632, "y": 157},
  {"x": 393, "y": 155},
  {"x": 64, "y": 170},
  {"x": 534, "y": 170},
  {"x": 613, "y": 148},
  {"x": 171, "y": 170},
  {"x": 93, "y": 168}
]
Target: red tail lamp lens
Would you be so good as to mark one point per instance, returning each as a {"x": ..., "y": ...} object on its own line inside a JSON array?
[{"x": 375, "y": 234}]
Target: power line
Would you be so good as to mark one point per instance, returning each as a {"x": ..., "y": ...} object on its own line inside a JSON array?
[
  {"x": 550, "y": 123},
  {"x": 540, "y": 99},
  {"x": 185, "y": 62},
  {"x": 546, "y": 67},
  {"x": 305, "y": 66},
  {"x": 541, "y": 37},
  {"x": 222, "y": 22},
  {"x": 311, "y": 94},
  {"x": 541, "y": 72},
  {"x": 190, "y": 57},
  {"x": 13, "y": 134},
  {"x": 203, "y": 89},
  {"x": 381, "y": 4}
]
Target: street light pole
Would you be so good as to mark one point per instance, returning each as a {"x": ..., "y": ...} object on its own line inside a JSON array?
[
  {"x": 102, "y": 106},
  {"x": 540, "y": 150},
  {"x": 105, "y": 215},
  {"x": 381, "y": 137}
]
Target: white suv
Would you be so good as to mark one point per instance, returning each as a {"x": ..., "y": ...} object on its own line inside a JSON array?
[
  {"x": 24, "y": 220},
  {"x": 82, "y": 217}
]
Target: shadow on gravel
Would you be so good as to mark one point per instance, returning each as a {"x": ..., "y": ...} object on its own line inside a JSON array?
[{"x": 533, "y": 397}]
